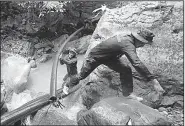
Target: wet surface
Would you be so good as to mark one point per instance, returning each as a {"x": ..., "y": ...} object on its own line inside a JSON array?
[{"x": 39, "y": 78}]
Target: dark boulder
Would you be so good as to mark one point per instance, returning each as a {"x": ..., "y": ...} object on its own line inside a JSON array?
[{"x": 80, "y": 44}]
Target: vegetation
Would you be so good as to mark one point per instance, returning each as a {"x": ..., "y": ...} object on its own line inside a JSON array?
[{"x": 25, "y": 24}]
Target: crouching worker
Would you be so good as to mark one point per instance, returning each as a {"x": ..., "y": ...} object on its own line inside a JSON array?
[
  {"x": 109, "y": 53},
  {"x": 71, "y": 63}
]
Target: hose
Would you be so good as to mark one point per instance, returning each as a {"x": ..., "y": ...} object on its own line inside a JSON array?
[
  {"x": 53, "y": 82},
  {"x": 38, "y": 103}
]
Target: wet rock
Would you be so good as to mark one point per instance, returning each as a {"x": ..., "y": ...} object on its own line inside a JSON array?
[
  {"x": 178, "y": 26},
  {"x": 51, "y": 115},
  {"x": 40, "y": 51},
  {"x": 165, "y": 113},
  {"x": 118, "y": 111},
  {"x": 33, "y": 64},
  {"x": 58, "y": 42},
  {"x": 116, "y": 21},
  {"x": 170, "y": 100},
  {"x": 81, "y": 44},
  {"x": 87, "y": 117},
  {"x": 23, "y": 21},
  {"x": 169, "y": 109},
  {"x": 51, "y": 118},
  {"x": 18, "y": 46},
  {"x": 47, "y": 49},
  {"x": 42, "y": 45},
  {"x": 20, "y": 36},
  {"x": 34, "y": 40},
  {"x": 107, "y": 83},
  {"x": 178, "y": 104},
  {"x": 30, "y": 30},
  {"x": 171, "y": 86},
  {"x": 161, "y": 109},
  {"x": 44, "y": 58},
  {"x": 19, "y": 99},
  {"x": 90, "y": 96},
  {"x": 4, "y": 108},
  {"x": 15, "y": 72}
]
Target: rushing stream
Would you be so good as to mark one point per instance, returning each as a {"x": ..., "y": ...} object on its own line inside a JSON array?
[
  {"x": 39, "y": 78},
  {"x": 38, "y": 81},
  {"x": 39, "y": 84}
]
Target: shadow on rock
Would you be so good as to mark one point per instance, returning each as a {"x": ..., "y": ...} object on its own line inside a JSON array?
[{"x": 119, "y": 111}]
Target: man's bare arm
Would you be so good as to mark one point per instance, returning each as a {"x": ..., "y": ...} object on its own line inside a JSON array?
[{"x": 71, "y": 61}]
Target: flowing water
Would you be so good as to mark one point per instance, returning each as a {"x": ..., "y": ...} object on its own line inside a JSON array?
[
  {"x": 39, "y": 83},
  {"x": 39, "y": 78}
]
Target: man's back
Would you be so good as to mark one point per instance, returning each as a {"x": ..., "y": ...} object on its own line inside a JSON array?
[{"x": 112, "y": 47}]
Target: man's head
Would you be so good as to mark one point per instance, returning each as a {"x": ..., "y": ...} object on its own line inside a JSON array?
[
  {"x": 72, "y": 52},
  {"x": 142, "y": 36}
]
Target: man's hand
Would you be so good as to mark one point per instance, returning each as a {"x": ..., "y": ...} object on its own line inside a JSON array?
[
  {"x": 66, "y": 90},
  {"x": 157, "y": 86}
]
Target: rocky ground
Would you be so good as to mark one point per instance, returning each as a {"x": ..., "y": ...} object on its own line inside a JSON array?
[
  {"x": 160, "y": 58},
  {"x": 164, "y": 58}
]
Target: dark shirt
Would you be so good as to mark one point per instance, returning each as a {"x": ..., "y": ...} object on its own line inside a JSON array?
[
  {"x": 115, "y": 47},
  {"x": 71, "y": 65}
]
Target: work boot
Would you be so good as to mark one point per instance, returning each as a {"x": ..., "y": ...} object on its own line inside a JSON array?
[
  {"x": 133, "y": 96},
  {"x": 66, "y": 90},
  {"x": 74, "y": 80}
]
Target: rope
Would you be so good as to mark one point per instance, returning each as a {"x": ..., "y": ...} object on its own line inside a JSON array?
[
  {"x": 44, "y": 114},
  {"x": 59, "y": 104}
]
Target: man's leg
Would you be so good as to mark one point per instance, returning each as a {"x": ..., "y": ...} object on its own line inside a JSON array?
[
  {"x": 65, "y": 77},
  {"x": 88, "y": 66},
  {"x": 125, "y": 77}
]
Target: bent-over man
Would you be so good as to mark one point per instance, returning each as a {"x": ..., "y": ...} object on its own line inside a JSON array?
[{"x": 109, "y": 53}]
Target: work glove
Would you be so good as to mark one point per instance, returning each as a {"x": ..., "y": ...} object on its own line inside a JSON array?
[
  {"x": 157, "y": 86},
  {"x": 66, "y": 90}
]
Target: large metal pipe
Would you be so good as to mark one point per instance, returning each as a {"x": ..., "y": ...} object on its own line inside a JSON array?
[
  {"x": 38, "y": 103},
  {"x": 53, "y": 82},
  {"x": 26, "y": 109},
  {"x": 32, "y": 106}
]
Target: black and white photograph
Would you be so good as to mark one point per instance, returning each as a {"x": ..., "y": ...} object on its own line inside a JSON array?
[{"x": 92, "y": 62}]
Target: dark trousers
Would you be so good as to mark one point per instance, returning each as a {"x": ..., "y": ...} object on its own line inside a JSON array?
[{"x": 117, "y": 65}]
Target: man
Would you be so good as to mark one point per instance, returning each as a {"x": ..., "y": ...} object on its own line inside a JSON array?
[
  {"x": 71, "y": 62},
  {"x": 109, "y": 53}
]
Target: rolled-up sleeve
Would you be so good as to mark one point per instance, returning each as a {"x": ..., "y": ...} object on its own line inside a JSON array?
[{"x": 130, "y": 52}]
